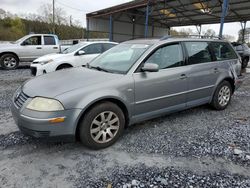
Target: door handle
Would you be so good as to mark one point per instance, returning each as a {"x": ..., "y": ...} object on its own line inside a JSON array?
[
  {"x": 216, "y": 70},
  {"x": 55, "y": 47},
  {"x": 39, "y": 48},
  {"x": 183, "y": 76}
]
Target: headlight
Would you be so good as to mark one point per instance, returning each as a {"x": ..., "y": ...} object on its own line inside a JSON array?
[
  {"x": 45, "y": 105},
  {"x": 45, "y": 62}
]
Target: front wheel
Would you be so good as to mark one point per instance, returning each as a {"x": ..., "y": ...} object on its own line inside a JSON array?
[
  {"x": 222, "y": 96},
  {"x": 9, "y": 61},
  {"x": 102, "y": 125}
]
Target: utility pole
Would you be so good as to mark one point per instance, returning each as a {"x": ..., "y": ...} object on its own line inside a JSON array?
[
  {"x": 70, "y": 20},
  {"x": 54, "y": 30}
]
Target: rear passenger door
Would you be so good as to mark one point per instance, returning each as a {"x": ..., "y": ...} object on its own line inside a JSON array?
[
  {"x": 203, "y": 72},
  {"x": 49, "y": 45}
]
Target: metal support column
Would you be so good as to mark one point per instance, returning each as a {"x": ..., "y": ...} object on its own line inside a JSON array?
[
  {"x": 243, "y": 27},
  {"x": 87, "y": 30},
  {"x": 198, "y": 28},
  {"x": 133, "y": 29},
  {"x": 223, "y": 15},
  {"x": 146, "y": 21},
  {"x": 110, "y": 27}
]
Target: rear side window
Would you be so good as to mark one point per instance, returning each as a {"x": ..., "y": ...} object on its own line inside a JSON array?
[
  {"x": 49, "y": 40},
  {"x": 107, "y": 46},
  {"x": 198, "y": 52},
  {"x": 167, "y": 57},
  {"x": 223, "y": 51},
  {"x": 93, "y": 49}
]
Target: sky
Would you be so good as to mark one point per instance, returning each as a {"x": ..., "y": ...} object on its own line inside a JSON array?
[{"x": 78, "y": 8}]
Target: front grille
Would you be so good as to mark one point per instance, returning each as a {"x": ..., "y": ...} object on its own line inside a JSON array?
[
  {"x": 20, "y": 99},
  {"x": 33, "y": 71},
  {"x": 37, "y": 134}
]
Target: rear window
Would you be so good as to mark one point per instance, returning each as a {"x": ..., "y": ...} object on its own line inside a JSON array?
[
  {"x": 49, "y": 40},
  {"x": 198, "y": 52},
  {"x": 107, "y": 46},
  {"x": 223, "y": 51}
]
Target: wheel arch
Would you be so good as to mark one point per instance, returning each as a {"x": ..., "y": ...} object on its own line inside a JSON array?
[
  {"x": 9, "y": 52},
  {"x": 63, "y": 64},
  {"x": 114, "y": 100},
  {"x": 230, "y": 80}
]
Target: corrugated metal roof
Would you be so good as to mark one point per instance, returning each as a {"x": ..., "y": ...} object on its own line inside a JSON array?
[{"x": 171, "y": 13}]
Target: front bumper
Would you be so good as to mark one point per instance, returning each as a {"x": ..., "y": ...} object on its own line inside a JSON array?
[
  {"x": 37, "y": 124},
  {"x": 37, "y": 69}
]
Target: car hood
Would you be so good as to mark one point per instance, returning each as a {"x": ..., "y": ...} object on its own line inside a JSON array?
[
  {"x": 4, "y": 46},
  {"x": 56, "y": 83},
  {"x": 50, "y": 56}
]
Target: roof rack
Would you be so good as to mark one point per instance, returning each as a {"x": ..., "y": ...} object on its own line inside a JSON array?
[{"x": 190, "y": 36}]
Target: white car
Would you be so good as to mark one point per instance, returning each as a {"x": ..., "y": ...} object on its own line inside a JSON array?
[{"x": 75, "y": 56}]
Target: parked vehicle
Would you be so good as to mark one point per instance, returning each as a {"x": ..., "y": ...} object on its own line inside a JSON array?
[
  {"x": 244, "y": 52},
  {"x": 132, "y": 82},
  {"x": 75, "y": 56},
  {"x": 27, "y": 49}
]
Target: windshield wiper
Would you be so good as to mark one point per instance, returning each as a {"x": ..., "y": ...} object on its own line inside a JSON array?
[{"x": 99, "y": 68}]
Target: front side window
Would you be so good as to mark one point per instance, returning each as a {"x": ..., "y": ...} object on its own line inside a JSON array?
[
  {"x": 223, "y": 51},
  {"x": 35, "y": 40},
  {"x": 93, "y": 49},
  {"x": 74, "y": 48},
  {"x": 49, "y": 40},
  {"x": 120, "y": 58},
  {"x": 198, "y": 52},
  {"x": 167, "y": 56}
]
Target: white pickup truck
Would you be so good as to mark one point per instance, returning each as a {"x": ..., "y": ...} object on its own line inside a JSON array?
[{"x": 27, "y": 49}]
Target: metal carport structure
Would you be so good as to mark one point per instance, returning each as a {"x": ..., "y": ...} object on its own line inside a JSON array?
[{"x": 154, "y": 18}]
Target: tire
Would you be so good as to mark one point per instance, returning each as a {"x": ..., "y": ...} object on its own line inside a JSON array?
[
  {"x": 61, "y": 67},
  {"x": 244, "y": 62},
  {"x": 105, "y": 118},
  {"x": 9, "y": 61},
  {"x": 222, "y": 96}
]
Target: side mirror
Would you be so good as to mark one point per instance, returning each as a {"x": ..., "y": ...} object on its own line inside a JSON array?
[
  {"x": 24, "y": 43},
  {"x": 81, "y": 52},
  {"x": 150, "y": 67}
]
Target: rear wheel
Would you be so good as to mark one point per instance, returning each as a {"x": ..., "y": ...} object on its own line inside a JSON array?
[
  {"x": 245, "y": 62},
  {"x": 102, "y": 125},
  {"x": 222, "y": 96},
  {"x": 9, "y": 61}
]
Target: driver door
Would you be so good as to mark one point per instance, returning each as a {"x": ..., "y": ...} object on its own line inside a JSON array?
[
  {"x": 31, "y": 48},
  {"x": 165, "y": 90}
]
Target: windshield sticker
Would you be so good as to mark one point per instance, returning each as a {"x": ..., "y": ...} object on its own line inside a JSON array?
[{"x": 139, "y": 46}]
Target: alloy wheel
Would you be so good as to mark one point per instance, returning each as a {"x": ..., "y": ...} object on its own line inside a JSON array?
[
  {"x": 104, "y": 127},
  {"x": 224, "y": 95},
  {"x": 10, "y": 62}
]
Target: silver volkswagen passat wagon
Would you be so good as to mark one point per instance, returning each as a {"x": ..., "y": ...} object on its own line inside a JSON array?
[{"x": 134, "y": 81}]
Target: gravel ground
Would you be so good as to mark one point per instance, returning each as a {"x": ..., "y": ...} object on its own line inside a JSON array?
[{"x": 199, "y": 147}]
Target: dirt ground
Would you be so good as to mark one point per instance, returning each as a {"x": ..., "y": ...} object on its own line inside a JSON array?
[{"x": 199, "y": 147}]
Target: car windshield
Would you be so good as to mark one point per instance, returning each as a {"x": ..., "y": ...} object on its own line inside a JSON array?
[
  {"x": 73, "y": 48},
  {"x": 19, "y": 40},
  {"x": 120, "y": 58}
]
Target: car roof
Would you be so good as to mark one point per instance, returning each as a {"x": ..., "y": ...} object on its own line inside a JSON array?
[
  {"x": 94, "y": 42},
  {"x": 168, "y": 39}
]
